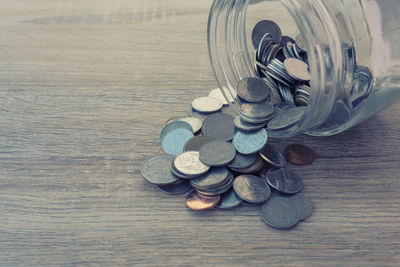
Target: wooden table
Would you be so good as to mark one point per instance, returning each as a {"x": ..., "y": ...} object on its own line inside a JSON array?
[{"x": 85, "y": 89}]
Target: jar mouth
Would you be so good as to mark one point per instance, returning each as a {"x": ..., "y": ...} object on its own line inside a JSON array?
[{"x": 232, "y": 62}]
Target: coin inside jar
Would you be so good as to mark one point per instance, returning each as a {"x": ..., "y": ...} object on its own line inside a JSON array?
[
  {"x": 263, "y": 27},
  {"x": 253, "y": 90},
  {"x": 297, "y": 69},
  {"x": 299, "y": 154},
  {"x": 196, "y": 201}
]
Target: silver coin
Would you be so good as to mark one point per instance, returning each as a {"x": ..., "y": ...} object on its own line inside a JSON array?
[
  {"x": 196, "y": 123},
  {"x": 179, "y": 174},
  {"x": 174, "y": 141},
  {"x": 219, "y": 126},
  {"x": 217, "y": 153},
  {"x": 304, "y": 204},
  {"x": 284, "y": 180},
  {"x": 217, "y": 93},
  {"x": 286, "y": 118},
  {"x": 157, "y": 170},
  {"x": 301, "y": 100},
  {"x": 212, "y": 179},
  {"x": 271, "y": 154},
  {"x": 220, "y": 190},
  {"x": 257, "y": 110},
  {"x": 255, "y": 167},
  {"x": 176, "y": 188},
  {"x": 250, "y": 142},
  {"x": 297, "y": 69},
  {"x": 207, "y": 104},
  {"x": 251, "y": 189},
  {"x": 253, "y": 90},
  {"x": 189, "y": 163},
  {"x": 172, "y": 126},
  {"x": 256, "y": 121},
  {"x": 247, "y": 126},
  {"x": 280, "y": 213},
  {"x": 263, "y": 27},
  {"x": 242, "y": 161},
  {"x": 229, "y": 200},
  {"x": 196, "y": 142},
  {"x": 286, "y": 94}
]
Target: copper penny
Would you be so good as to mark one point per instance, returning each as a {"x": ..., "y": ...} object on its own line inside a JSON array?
[
  {"x": 196, "y": 201},
  {"x": 299, "y": 154}
]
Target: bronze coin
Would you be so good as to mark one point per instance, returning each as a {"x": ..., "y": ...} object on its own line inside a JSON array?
[
  {"x": 299, "y": 154},
  {"x": 196, "y": 201}
]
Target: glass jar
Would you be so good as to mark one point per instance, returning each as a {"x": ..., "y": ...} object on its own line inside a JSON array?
[{"x": 353, "y": 51}]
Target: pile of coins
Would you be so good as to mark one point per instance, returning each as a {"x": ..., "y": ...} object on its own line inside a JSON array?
[
  {"x": 282, "y": 63},
  {"x": 225, "y": 159},
  {"x": 224, "y": 162}
]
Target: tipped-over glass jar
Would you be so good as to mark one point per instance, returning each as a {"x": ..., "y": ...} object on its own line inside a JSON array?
[{"x": 353, "y": 53}]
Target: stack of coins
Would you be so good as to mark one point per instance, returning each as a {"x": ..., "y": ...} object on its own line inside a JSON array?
[{"x": 225, "y": 161}]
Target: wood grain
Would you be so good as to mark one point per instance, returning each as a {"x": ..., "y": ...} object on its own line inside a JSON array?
[{"x": 85, "y": 89}]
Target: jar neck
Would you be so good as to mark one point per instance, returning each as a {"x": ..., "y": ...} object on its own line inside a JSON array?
[{"x": 326, "y": 37}]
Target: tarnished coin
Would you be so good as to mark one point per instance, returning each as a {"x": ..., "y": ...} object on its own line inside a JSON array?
[
  {"x": 247, "y": 126},
  {"x": 196, "y": 201},
  {"x": 174, "y": 141},
  {"x": 262, "y": 110},
  {"x": 176, "y": 188},
  {"x": 179, "y": 174},
  {"x": 263, "y": 27},
  {"x": 217, "y": 93},
  {"x": 194, "y": 143},
  {"x": 250, "y": 142},
  {"x": 271, "y": 154},
  {"x": 157, "y": 170},
  {"x": 207, "y": 104},
  {"x": 242, "y": 161},
  {"x": 251, "y": 189},
  {"x": 220, "y": 189},
  {"x": 286, "y": 118},
  {"x": 196, "y": 123},
  {"x": 297, "y": 69},
  {"x": 299, "y": 154},
  {"x": 253, "y": 90},
  {"x": 189, "y": 163},
  {"x": 229, "y": 200},
  {"x": 304, "y": 204},
  {"x": 280, "y": 213},
  {"x": 212, "y": 179},
  {"x": 219, "y": 126},
  {"x": 255, "y": 167},
  {"x": 284, "y": 180},
  {"x": 173, "y": 126},
  {"x": 217, "y": 153}
]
